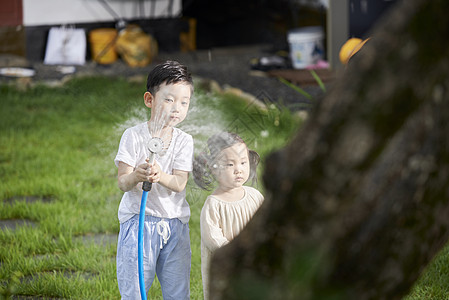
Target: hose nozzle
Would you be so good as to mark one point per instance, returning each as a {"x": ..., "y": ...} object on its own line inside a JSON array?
[{"x": 155, "y": 145}]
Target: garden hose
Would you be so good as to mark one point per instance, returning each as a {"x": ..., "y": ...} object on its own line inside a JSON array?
[
  {"x": 154, "y": 146},
  {"x": 146, "y": 188}
]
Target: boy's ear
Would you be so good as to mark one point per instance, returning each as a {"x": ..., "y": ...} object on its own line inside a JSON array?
[{"x": 148, "y": 99}]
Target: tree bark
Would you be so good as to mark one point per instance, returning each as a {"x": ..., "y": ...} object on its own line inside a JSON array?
[{"x": 357, "y": 204}]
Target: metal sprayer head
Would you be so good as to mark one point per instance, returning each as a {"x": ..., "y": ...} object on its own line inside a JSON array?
[{"x": 155, "y": 145}]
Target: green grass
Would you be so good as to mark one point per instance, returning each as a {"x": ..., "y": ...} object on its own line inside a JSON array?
[
  {"x": 433, "y": 284},
  {"x": 58, "y": 144}
]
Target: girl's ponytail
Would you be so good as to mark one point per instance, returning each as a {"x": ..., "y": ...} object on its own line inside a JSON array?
[{"x": 202, "y": 174}]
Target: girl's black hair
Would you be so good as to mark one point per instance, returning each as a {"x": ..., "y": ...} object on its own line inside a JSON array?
[
  {"x": 168, "y": 72},
  {"x": 204, "y": 163}
]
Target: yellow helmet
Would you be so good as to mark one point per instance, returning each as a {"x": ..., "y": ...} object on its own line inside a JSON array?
[{"x": 351, "y": 47}]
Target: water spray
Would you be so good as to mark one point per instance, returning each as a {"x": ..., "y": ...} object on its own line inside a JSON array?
[{"x": 155, "y": 146}]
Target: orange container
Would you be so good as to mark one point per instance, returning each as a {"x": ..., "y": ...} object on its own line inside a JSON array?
[{"x": 102, "y": 45}]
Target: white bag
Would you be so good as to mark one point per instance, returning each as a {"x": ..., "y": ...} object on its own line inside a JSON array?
[{"x": 65, "y": 46}]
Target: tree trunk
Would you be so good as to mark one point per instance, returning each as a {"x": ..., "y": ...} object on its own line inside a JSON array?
[{"x": 357, "y": 204}]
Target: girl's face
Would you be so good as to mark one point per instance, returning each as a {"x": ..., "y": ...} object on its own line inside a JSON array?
[
  {"x": 170, "y": 104},
  {"x": 233, "y": 166}
]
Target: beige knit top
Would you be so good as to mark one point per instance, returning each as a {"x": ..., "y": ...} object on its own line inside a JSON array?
[{"x": 221, "y": 221}]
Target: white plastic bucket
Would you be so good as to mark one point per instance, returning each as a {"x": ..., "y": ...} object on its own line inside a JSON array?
[{"x": 306, "y": 46}]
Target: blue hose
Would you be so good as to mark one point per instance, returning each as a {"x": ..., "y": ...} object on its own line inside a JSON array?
[{"x": 143, "y": 203}]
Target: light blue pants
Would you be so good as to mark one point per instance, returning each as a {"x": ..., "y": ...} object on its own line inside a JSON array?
[{"x": 166, "y": 253}]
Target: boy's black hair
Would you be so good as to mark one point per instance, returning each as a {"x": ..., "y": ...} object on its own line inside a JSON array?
[{"x": 169, "y": 72}]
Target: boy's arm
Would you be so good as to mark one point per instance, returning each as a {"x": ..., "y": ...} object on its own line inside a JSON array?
[{"x": 175, "y": 182}]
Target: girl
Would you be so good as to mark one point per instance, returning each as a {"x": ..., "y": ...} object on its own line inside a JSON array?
[{"x": 231, "y": 205}]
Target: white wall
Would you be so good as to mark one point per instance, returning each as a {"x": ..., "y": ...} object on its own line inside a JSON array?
[
  {"x": 50, "y": 12},
  {"x": 314, "y": 3}
]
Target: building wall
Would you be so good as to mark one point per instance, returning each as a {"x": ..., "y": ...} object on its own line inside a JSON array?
[
  {"x": 161, "y": 18},
  {"x": 53, "y": 12}
]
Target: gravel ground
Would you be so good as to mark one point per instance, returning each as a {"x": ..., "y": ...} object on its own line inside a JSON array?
[{"x": 229, "y": 67}]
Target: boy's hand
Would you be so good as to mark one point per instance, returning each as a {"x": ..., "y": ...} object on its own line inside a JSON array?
[
  {"x": 155, "y": 173},
  {"x": 142, "y": 172},
  {"x": 148, "y": 172},
  {"x": 128, "y": 176}
]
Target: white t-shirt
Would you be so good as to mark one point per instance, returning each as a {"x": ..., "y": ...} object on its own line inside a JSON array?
[
  {"x": 221, "y": 222},
  {"x": 161, "y": 202}
]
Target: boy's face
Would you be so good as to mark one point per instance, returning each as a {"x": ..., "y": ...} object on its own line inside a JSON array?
[{"x": 170, "y": 103}]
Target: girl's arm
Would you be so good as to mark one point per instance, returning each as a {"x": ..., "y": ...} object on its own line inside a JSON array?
[{"x": 212, "y": 234}]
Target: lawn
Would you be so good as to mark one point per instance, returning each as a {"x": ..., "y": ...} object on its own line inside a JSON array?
[{"x": 58, "y": 179}]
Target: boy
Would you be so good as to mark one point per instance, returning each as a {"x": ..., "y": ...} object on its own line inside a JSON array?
[{"x": 166, "y": 231}]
